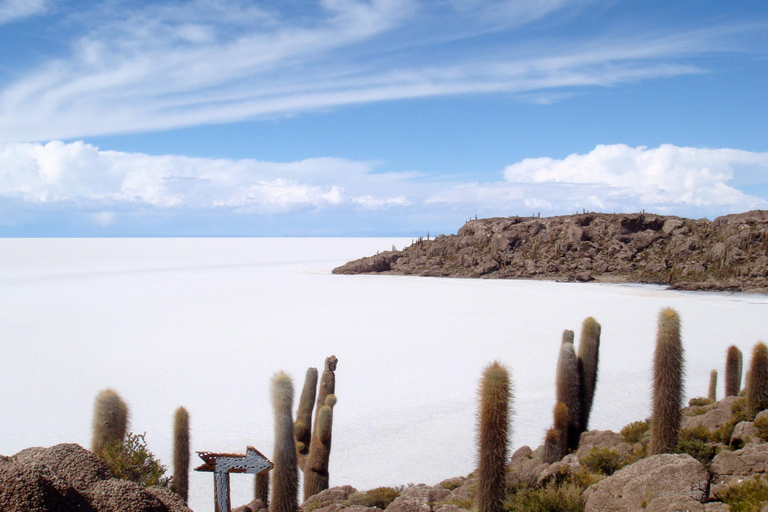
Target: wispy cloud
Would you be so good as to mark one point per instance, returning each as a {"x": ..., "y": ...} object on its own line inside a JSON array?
[
  {"x": 12, "y": 10},
  {"x": 209, "y": 61},
  {"x": 105, "y": 186}
]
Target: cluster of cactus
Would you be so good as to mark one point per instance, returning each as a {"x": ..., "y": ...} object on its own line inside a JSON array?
[
  {"x": 494, "y": 429},
  {"x": 297, "y": 444},
  {"x": 575, "y": 384}
]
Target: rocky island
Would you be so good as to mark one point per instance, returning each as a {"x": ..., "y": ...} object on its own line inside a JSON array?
[{"x": 729, "y": 253}]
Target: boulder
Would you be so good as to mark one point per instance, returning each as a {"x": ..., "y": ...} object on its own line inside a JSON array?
[
  {"x": 333, "y": 496},
  {"x": 419, "y": 498},
  {"x": 745, "y": 432},
  {"x": 728, "y": 466},
  {"x": 711, "y": 420},
  {"x": 67, "y": 477},
  {"x": 634, "y": 487},
  {"x": 598, "y": 439},
  {"x": 525, "y": 467}
]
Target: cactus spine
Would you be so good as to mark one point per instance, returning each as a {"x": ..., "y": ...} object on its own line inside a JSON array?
[
  {"x": 110, "y": 420},
  {"x": 261, "y": 488},
  {"x": 181, "y": 452},
  {"x": 285, "y": 478},
  {"x": 757, "y": 381},
  {"x": 733, "y": 365},
  {"x": 494, "y": 428},
  {"x": 568, "y": 387},
  {"x": 589, "y": 357},
  {"x": 667, "y": 384},
  {"x": 316, "y": 476},
  {"x": 302, "y": 427},
  {"x": 712, "y": 394}
]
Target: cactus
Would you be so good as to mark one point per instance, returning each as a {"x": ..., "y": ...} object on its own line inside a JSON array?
[
  {"x": 667, "y": 384},
  {"x": 316, "y": 476},
  {"x": 285, "y": 477},
  {"x": 559, "y": 435},
  {"x": 110, "y": 420},
  {"x": 712, "y": 394},
  {"x": 757, "y": 381},
  {"x": 568, "y": 388},
  {"x": 589, "y": 356},
  {"x": 733, "y": 364},
  {"x": 181, "y": 452},
  {"x": 494, "y": 428},
  {"x": 302, "y": 427},
  {"x": 327, "y": 381},
  {"x": 261, "y": 488}
]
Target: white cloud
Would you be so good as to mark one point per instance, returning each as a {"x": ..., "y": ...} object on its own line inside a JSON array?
[
  {"x": 207, "y": 61},
  {"x": 12, "y": 10},
  {"x": 107, "y": 185},
  {"x": 658, "y": 176}
]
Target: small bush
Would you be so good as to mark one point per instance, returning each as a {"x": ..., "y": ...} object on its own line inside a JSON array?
[
  {"x": 605, "y": 461},
  {"x": 380, "y": 497},
  {"x": 696, "y": 443},
  {"x": 131, "y": 460},
  {"x": 761, "y": 425},
  {"x": 550, "y": 498},
  {"x": 699, "y": 401},
  {"x": 748, "y": 496},
  {"x": 634, "y": 432}
]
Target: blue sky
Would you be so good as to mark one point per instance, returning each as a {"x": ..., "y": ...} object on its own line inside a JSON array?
[{"x": 374, "y": 117}]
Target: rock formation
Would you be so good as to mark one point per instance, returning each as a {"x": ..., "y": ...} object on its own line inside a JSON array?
[{"x": 729, "y": 253}]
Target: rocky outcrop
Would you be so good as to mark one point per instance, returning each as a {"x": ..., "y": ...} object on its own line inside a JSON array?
[
  {"x": 636, "y": 487},
  {"x": 731, "y": 467},
  {"x": 67, "y": 477},
  {"x": 729, "y": 253}
]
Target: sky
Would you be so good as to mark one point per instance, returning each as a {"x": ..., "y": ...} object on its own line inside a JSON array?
[{"x": 374, "y": 117}]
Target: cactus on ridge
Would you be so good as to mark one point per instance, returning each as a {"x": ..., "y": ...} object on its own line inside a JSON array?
[
  {"x": 285, "y": 474},
  {"x": 110, "y": 420},
  {"x": 494, "y": 429},
  {"x": 712, "y": 394},
  {"x": 316, "y": 476},
  {"x": 557, "y": 436},
  {"x": 667, "y": 384},
  {"x": 181, "y": 452},
  {"x": 733, "y": 365},
  {"x": 261, "y": 488},
  {"x": 757, "y": 381},
  {"x": 302, "y": 427}
]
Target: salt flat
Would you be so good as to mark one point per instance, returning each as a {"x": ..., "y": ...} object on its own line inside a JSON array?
[{"x": 205, "y": 323}]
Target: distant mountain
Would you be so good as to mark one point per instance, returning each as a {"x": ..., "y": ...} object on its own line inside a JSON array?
[{"x": 729, "y": 253}]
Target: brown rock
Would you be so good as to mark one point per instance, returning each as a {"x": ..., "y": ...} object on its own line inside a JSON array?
[
  {"x": 711, "y": 420},
  {"x": 598, "y": 439},
  {"x": 745, "y": 432},
  {"x": 254, "y": 506},
  {"x": 728, "y": 466},
  {"x": 334, "y": 495},
  {"x": 419, "y": 498},
  {"x": 634, "y": 487},
  {"x": 674, "y": 504}
]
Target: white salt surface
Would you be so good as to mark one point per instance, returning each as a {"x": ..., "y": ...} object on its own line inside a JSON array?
[{"x": 205, "y": 323}]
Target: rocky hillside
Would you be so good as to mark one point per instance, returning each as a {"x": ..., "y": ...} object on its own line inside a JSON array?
[{"x": 729, "y": 253}]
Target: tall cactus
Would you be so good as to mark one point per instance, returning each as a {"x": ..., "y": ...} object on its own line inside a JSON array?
[
  {"x": 261, "y": 488},
  {"x": 110, "y": 420},
  {"x": 733, "y": 365},
  {"x": 568, "y": 388},
  {"x": 757, "y": 381},
  {"x": 316, "y": 476},
  {"x": 285, "y": 474},
  {"x": 589, "y": 357},
  {"x": 712, "y": 394},
  {"x": 494, "y": 429},
  {"x": 667, "y": 384},
  {"x": 302, "y": 427},
  {"x": 181, "y": 452}
]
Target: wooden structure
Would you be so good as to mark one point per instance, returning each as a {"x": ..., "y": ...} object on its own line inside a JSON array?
[{"x": 222, "y": 464}]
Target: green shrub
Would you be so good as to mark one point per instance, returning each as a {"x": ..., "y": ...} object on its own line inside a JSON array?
[
  {"x": 131, "y": 460},
  {"x": 550, "y": 498},
  {"x": 696, "y": 443},
  {"x": 380, "y": 497},
  {"x": 634, "y": 432},
  {"x": 605, "y": 461},
  {"x": 761, "y": 425},
  {"x": 699, "y": 401},
  {"x": 748, "y": 496}
]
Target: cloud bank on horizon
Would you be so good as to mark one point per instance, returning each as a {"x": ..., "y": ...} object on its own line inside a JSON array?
[
  {"x": 133, "y": 68},
  {"x": 107, "y": 187}
]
